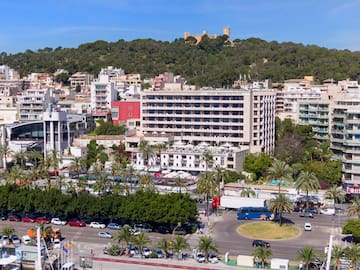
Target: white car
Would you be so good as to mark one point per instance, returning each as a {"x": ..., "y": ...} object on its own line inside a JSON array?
[
  {"x": 105, "y": 235},
  {"x": 307, "y": 227},
  {"x": 213, "y": 258},
  {"x": 57, "y": 244},
  {"x": 97, "y": 225},
  {"x": 146, "y": 252},
  {"x": 327, "y": 211},
  {"x": 58, "y": 221}
]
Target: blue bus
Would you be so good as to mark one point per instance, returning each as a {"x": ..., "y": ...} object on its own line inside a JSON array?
[{"x": 256, "y": 213}]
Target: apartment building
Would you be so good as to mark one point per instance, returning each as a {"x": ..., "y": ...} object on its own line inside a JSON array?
[
  {"x": 7, "y": 73},
  {"x": 32, "y": 103},
  {"x": 317, "y": 115},
  {"x": 82, "y": 79},
  {"x": 345, "y": 140},
  {"x": 102, "y": 94},
  {"x": 124, "y": 110},
  {"x": 214, "y": 116}
]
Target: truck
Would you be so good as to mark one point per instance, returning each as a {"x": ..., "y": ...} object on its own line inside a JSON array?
[{"x": 234, "y": 202}]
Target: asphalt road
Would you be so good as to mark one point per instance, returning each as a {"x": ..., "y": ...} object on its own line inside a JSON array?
[
  {"x": 224, "y": 233},
  {"x": 322, "y": 226}
]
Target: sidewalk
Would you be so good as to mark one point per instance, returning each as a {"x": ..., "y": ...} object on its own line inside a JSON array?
[{"x": 108, "y": 263}]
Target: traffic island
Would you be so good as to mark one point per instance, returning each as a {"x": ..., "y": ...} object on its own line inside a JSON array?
[{"x": 268, "y": 230}]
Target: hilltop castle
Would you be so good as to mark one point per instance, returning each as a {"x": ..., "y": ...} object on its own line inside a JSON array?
[{"x": 226, "y": 32}]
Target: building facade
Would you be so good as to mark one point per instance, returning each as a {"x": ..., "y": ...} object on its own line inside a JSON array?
[
  {"x": 214, "y": 116},
  {"x": 102, "y": 94},
  {"x": 123, "y": 111}
]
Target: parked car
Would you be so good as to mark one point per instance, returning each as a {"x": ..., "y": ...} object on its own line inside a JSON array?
[
  {"x": 307, "y": 227},
  {"x": 28, "y": 219},
  {"x": 142, "y": 227},
  {"x": 162, "y": 229},
  {"x": 105, "y": 235},
  {"x": 213, "y": 258},
  {"x": 97, "y": 225},
  {"x": 42, "y": 220},
  {"x": 13, "y": 217},
  {"x": 146, "y": 251},
  {"x": 327, "y": 211},
  {"x": 26, "y": 239},
  {"x": 113, "y": 226},
  {"x": 76, "y": 223},
  {"x": 262, "y": 243},
  {"x": 199, "y": 257},
  {"x": 15, "y": 240},
  {"x": 179, "y": 231},
  {"x": 159, "y": 253},
  {"x": 58, "y": 221},
  {"x": 312, "y": 210},
  {"x": 57, "y": 243},
  {"x": 306, "y": 214}
]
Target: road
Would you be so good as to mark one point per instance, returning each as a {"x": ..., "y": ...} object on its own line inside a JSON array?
[
  {"x": 224, "y": 233},
  {"x": 322, "y": 226}
]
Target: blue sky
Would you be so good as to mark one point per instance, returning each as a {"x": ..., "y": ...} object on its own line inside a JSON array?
[{"x": 35, "y": 24}]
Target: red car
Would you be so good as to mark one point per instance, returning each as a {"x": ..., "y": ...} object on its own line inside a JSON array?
[
  {"x": 76, "y": 223},
  {"x": 27, "y": 219},
  {"x": 42, "y": 220}
]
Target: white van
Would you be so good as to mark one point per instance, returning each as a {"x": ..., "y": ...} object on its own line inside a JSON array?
[{"x": 327, "y": 211}]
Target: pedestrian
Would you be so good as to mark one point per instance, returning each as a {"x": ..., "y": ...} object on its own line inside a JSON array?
[{"x": 300, "y": 266}]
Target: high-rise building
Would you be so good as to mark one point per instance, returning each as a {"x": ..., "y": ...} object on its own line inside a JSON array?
[{"x": 214, "y": 116}]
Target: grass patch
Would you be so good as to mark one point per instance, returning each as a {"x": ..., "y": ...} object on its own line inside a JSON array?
[{"x": 268, "y": 230}]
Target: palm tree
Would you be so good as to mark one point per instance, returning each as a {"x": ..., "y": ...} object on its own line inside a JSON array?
[
  {"x": 15, "y": 175},
  {"x": 77, "y": 165},
  {"x": 124, "y": 235},
  {"x": 147, "y": 152},
  {"x": 164, "y": 244},
  {"x": 140, "y": 241},
  {"x": 180, "y": 184},
  {"x": 306, "y": 255},
  {"x": 353, "y": 254},
  {"x": 129, "y": 175},
  {"x": 179, "y": 244},
  {"x": 20, "y": 158},
  {"x": 280, "y": 204},
  {"x": 307, "y": 182},
  {"x": 55, "y": 159},
  {"x": 336, "y": 255},
  {"x": 354, "y": 208},
  {"x": 4, "y": 153},
  {"x": 34, "y": 157},
  {"x": 146, "y": 183},
  {"x": 207, "y": 244},
  {"x": 8, "y": 231},
  {"x": 208, "y": 158},
  {"x": 159, "y": 148},
  {"x": 206, "y": 185},
  {"x": 335, "y": 193},
  {"x": 219, "y": 177},
  {"x": 280, "y": 171},
  {"x": 247, "y": 192},
  {"x": 262, "y": 253}
]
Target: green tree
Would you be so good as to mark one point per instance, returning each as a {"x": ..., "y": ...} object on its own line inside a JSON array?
[
  {"x": 307, "y": 182},
  {"x": 147, "y": 152},
  {"x": 335, "y": 193},
  {"x": 165, "y": 245},
  {"x": 353, "y": 254},
  {"x": 354, "y": 208},
  {"x": 207, "y": 157},
  {"x": 280, "y": 171},
  {"x": 262, "y": 253},
  {"x": 280, "y": 204},
  {"x": 247, "y": 192},
  {"x": 5, "y": 151},
  {"x": 140, "y": 241},
  {"x": 179, "y": 244},
  {"x": 8, "y": 231},
  {"x": 257, "y": 164},
  {"x": 306, "y": 255},
  {"x": 206, "y": 185},
  {"x": 77, "y": 165},
  {"x": 336, "y": 256},
  {"x": 207, "y": 244},
  {"x": 124, "y": 235}
]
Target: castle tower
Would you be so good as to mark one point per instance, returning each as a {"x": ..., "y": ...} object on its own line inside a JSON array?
[{"x": 227, "y": 31}]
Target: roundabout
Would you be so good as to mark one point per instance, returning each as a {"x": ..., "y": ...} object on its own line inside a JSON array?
[{"x": 266, "y": 230}]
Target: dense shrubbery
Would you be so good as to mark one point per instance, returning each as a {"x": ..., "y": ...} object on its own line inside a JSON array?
[
  {"x": 210, "y": 63},
  {"x": 143, "y": 206},
  {"x": 352, "y": 227}
]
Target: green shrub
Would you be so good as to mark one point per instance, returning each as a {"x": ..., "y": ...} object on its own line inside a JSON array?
[
  {"x": 352, "y": 227},
  {"x": 114, "y": 250}
]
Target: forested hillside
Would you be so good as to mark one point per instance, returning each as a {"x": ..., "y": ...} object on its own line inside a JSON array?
[{"x": 211, "y": 62}]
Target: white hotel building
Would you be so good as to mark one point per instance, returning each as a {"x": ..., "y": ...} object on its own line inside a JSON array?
[{"x": 243, "y": 118}]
